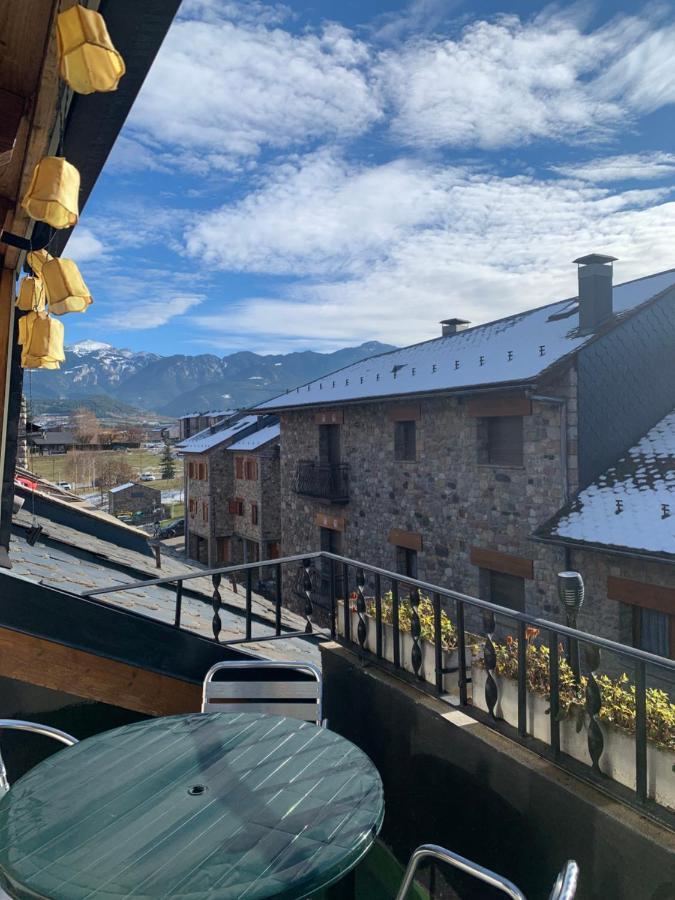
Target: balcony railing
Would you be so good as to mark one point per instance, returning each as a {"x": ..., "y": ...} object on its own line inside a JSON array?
[
  {"x": 378, "y": 608},
  {"x": 327, "y": 481}
]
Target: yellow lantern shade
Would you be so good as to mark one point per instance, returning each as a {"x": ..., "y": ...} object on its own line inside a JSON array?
[
  {"x": 88, "y": 60},
  {"x": 31, "y": 295},
  {"x": 66, "y": 290},
  {"x": 36, "y": 260},
  {"x": 43, "y": 348},
  {"x": 53, "y": 193},
  {"x": 25, "y": 327}
]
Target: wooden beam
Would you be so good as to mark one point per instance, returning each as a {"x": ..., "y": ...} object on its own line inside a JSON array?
[
  {"x": 334, "y": 523},
  {"x": 639, "y": 593},
  {"x": 502, "y": 562},
  {"x": 500, "y": 403},
  {"x": 409, "y": 413},
  {"x": 330, "y": 417},
  {"x": 47, "y": 664},
  {"x": 11, "y": 113},
  {"x": 408, "y": 539}
]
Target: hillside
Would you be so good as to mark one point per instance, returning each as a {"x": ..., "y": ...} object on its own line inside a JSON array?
[{"x": 178, "y": 384}]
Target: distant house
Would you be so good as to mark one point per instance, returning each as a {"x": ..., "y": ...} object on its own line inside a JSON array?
[
  {"x": 136, "y": 500},
  {"x": 50, "y": 441},
  {"x": 214, "y": 510},
  {"x": 194, "y": 422}
]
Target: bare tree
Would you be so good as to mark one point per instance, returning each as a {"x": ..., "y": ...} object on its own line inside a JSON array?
[
  {"x": 113, "y": 471},
  {"x": 85, "y": 425}
]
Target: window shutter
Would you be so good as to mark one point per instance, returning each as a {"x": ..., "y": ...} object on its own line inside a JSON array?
[
  {"x": 238, "y": 467},
  {"x": 254, "y": 513},
  {"x": 232, "y": 507}
]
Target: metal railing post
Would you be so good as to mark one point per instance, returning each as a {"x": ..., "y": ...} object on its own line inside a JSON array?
[
  {"x": 554, "y": 681},
  {"x": 522, "y": 680},
  {"x": 438, "y": 647},
  {"x": 278, "y": 600},
  {"x": 641, "y": 731},
  {"x": 333, "y": 604},
  {"x": 394, "y": 622},
  {"x": 378, "y": 617},
  {"x": 347, "y": 609},
  {"x": 461, "y": 654},
  {"x": 179, "y": 602},
  {"x": 249, "y": 599}
]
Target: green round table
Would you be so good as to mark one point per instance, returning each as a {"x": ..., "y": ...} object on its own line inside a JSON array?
[{"x": 206, "y": 805}]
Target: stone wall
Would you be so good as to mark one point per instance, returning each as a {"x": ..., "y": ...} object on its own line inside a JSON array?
[
  {"x": 445, "y": 496},
  {"x": 265, "y": 491},
  {"x": 216, "y": 491},
  {"x": 137, "y": 498}
]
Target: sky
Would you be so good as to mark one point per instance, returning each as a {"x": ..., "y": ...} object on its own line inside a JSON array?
[{"x": 299, "y": 176}]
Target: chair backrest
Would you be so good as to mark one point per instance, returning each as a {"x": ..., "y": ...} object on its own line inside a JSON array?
[
  {"x": 33, "y": 728},
  {"x": 275, "y": 696},
  {"x": 563, "y": 889}
]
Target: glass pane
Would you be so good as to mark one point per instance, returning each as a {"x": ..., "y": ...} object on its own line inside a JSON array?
[{"x": 654, "y": 628}]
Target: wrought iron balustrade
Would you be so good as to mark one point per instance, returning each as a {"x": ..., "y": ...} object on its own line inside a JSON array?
[
  {"x": 376, "y": 607},
  {"x": 327, "y": 481}
]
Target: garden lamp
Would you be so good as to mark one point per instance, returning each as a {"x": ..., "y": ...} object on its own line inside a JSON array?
[{"x": 571, "y": 596}]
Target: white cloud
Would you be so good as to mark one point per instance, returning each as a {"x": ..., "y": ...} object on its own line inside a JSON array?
[
  {"x": 320, "y": 214},
  {"x": 635, "y": 166},
  {"x": 84, "y": 246},
  {"x": 437, "y": 242},
  {"x": 151, "y": 313},
  {"x": 224, "y": 90},
  {"x": 508, "y": 82}
]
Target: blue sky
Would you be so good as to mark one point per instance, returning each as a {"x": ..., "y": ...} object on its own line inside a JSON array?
[{"x": 314, "y": 176}]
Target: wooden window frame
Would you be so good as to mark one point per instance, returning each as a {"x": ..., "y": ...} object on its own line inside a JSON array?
[
  {"x": 239, "y": 467},
  {"x": 254, "y": 513},
  {"x": 405, "y": 446},
  {"x": 205, "y": 512},
  {"x": 502, "y": 562}
]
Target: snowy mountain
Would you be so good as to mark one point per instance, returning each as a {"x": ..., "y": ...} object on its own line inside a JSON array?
[{"x": 174, "y": 385}]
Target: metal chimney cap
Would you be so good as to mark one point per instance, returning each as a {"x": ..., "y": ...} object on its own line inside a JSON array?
[
  {"x": 454, "y": 322},
  {"x": 594, "y": 258}
]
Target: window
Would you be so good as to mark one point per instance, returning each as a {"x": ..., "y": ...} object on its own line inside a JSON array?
[
  {"x": 254, "y": 513},
  {"x": 251, "y": 470},
  {"x": 406, "y": 562},
  {"x": 273, "y": 550},
  {"x": 236, "y": 507},
  {"x": 193, "y": 507},
  {"x": 507, "y": 590},
  {"x": 191, "y": 470},
  {"x": 238, "y": 467},
  {"x": 329, "y": 444},
  {"x": 405, "y": 443},
  {"x": 503, "y": 441},
  {"x": 202, "y": 471},
  {"x": 652, "y": 631},
  {"x": 205, "y": 512}
]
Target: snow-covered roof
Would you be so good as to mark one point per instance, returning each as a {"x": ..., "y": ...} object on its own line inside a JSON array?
[
  {"x": 258, "y": 438},
  {"x": 632, "y": 505},
  {"x": 221, "y": 413},
  {"x": 212, "y": 437},
  {"x": 515, "y": 349},
  {"x": 121, "y": 487}
]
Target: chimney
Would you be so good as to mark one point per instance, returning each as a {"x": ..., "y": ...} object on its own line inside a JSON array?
[
  {"x": 595, "y": 291},
  {"x": 452, "y": 326}
]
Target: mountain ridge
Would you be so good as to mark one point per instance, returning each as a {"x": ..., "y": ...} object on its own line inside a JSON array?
[{"x": 181, "y": 383}]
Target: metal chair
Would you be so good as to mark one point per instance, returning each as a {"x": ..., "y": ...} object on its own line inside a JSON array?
[
  {"x": 34, "y": 728},
  {"x": 298, "y": 699},
  {"x": 564, "y": 888}
]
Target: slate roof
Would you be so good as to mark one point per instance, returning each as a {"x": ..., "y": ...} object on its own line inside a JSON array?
[
  {"x": 121, "y": 487},
  {"x": 631, "y": 506},
  {"x": 74, "y": 560},
  {"x": 209, "y": 412},
  {"x": 258, "y": 438},
  {"x": 51, "y": 438},
  {"x": 516, "y": 349},
  {"x": 212, "y": 437}
]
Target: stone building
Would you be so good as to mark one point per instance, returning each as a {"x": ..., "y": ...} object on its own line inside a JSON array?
[
  {"x": 256, "y": 496},
  {"x": 440, "y": 460},
  {"x": 192, "y": 423},
  {"x": 213, "y": 523},
  {"x": 130, "y": 498}
]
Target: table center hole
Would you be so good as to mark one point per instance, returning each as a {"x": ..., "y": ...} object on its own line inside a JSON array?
[{"x": 197, "y": 789}]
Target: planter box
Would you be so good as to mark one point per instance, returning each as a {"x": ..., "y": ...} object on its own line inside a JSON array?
[
  {"x": 428, "y": 667},
  {"x": 618, "y": 757}
]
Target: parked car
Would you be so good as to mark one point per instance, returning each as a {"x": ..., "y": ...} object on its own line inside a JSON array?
[
  {"x": 173, "y": 529},
  {"x": 64, "y": 485},
  {"x": 147, "y": 476}
]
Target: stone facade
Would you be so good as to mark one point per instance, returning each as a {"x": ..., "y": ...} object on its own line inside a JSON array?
[
  {"x": 134, "y": 499},
  {"x": 215, "y": 533},
  {"x": 458, "y": 511},
  {"x": 263, "y": 491}
]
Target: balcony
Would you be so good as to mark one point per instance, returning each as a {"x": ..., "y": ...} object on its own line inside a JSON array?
[{"x": 326, "y": 481}]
